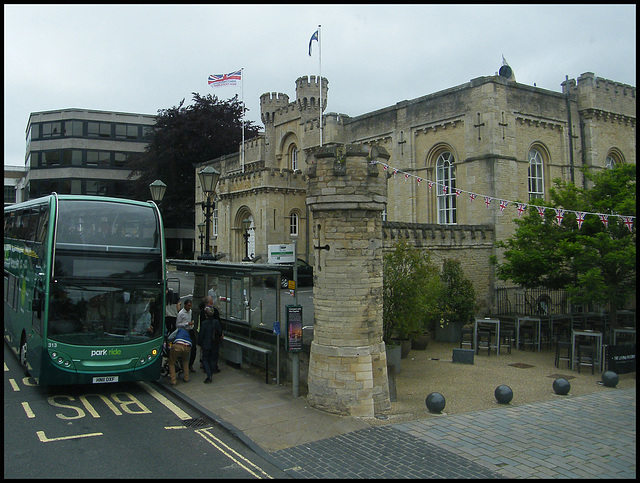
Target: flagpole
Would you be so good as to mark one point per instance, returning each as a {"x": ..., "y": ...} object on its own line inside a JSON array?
[
  {"x": 242, "y": 81},
  {"x": 320, "y": 69}
]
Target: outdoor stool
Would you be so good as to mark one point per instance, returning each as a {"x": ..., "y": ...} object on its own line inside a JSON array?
[
  {"x": 466, "y": 337},
  {"x": 528, "y": 336},
  {"x": 484, "y": 337},
  {"x": 560, "y": 346},
  {"x": 586, "y": 356},
  {"x": 507, "y": 338}
]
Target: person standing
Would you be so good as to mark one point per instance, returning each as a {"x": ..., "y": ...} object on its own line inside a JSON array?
[
  {"x": 180, "y": 350},
  {"x": 185, "y": 321},
  {"x": 209, "y": 341}
]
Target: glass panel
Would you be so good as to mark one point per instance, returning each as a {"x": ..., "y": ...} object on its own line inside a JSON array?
[
  {"x": 445, "y": 172},
  {"x": 86, "y": 314},
  {"x": 102, "y": 223},
  {"x": 121, "y": 131},
  {"x": 51, "y": 158},
  {"x": 132, "y": 132},
  {"x": 93, "y": 129}
]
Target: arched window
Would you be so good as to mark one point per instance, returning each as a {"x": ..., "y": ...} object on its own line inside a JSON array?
[
  {"x": 294, "y": 224},
  {"x": 446, "y": 184},
  {"x": 293, "y": 156},
  {"x": 536, "y": 179},
  {"x": 614, "y": 157},
  {"x": 609, "y": 162}
]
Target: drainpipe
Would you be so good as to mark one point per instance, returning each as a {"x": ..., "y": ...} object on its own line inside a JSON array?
[{"x": 571, "y": 166}]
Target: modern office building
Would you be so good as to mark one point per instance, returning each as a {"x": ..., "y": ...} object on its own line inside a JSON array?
[{"x": 82, "y": 151}]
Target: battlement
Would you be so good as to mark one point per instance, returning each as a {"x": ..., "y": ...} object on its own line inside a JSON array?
[
  {"x": 270, "y": 103},
  {"x": 308, "y": 95},
  {"x": 598, "y": 93}
]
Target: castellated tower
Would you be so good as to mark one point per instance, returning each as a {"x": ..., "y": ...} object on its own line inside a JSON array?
[
  {"x": 270, "y": 105},
  {"x": 348, "y": 362},
  {"x": 308, "y": 98}
]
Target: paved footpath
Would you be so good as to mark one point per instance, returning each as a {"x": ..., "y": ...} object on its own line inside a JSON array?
[{"x": 591, "y": 436}]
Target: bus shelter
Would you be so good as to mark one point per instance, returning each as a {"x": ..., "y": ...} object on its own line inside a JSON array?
[{"x": 249, "y": 300}]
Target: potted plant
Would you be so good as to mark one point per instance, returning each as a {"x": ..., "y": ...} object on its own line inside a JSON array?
[
  {"x": 457, "y": 301},
  {"x": 411, "y": 284}
]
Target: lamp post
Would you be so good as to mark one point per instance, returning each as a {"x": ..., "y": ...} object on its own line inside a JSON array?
[
  {"x": 201, "y": 230},
  {"x": 246, "y": 224},
  {"x": 157, "y": 189},
  {"x": 208, "y": 180}
]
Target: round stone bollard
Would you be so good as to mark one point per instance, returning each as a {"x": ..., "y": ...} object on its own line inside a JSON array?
[
  {"x": 435, "y": 402},
  {"x": 504, "y": 394},
  {"x": 561, "y": 386},
  {"x": 610, "y": 379}
]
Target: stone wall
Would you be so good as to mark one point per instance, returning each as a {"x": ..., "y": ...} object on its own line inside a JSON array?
[{"x": 348, "y": 364}]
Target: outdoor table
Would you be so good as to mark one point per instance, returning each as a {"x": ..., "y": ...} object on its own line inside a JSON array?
[
  {"x": 622, "y": 330},
  {"x": 588, "y": 333},
  {"x": 487, "y": 321}
]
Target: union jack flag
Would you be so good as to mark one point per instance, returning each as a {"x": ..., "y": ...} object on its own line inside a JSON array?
[
  {"x": 458, "y": 193},
  {"x": 559, "y": 215},
  {"x": 216, "y": 80},
  {"x": 487, "y": 200},
  {"x": 503, "y": 205},
  {"x": 628, "y": 220},
  {"x": 604, "y": 219},
  {"x": 580, "y": 218},
  {"x": 521, "y": 208},
  {"x": 472, "y": 196},
  {"x": 541, "y": 212}
]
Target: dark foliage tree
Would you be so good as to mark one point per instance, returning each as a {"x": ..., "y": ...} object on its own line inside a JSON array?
[
  {"x": 183, "y": 137},
  {"x": 595, "y": 263}
]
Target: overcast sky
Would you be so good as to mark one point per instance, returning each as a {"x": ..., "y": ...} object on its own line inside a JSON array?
[{"x": 143, "y": 58}]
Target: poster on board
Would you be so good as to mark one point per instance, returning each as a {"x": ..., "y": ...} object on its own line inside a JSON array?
[{"x": 294, "y": 328}]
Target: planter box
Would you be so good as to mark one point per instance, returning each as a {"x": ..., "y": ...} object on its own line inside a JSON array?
[
  {"x": 449, "y": 333},
  {"x": 465, "y": 356}
]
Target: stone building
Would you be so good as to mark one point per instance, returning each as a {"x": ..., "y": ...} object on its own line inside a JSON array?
[{"x": 490, "y": 139}]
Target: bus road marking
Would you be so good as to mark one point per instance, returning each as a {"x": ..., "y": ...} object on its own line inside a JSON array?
[
  {"x": 27, "y": 409},
  {"x": 14, "y": 385},
  {"x": 165, "y": 402},
  {"x": 221, "y": 446},
  {"x": 44, "y": 439}
]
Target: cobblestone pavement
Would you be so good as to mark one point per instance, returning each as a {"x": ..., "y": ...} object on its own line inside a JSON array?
[{"x": 590, "y": 436}]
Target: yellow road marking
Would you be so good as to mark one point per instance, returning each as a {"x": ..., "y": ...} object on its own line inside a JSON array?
[
  {"x": 27, "y": 409},
  {"x": 226, "y": 450},
  {"x": 165, "y": 402},
  {"x": 44, "y": 439}
]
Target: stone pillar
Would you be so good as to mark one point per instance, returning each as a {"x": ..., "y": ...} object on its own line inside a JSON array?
[{"x": 346, "y": 194}]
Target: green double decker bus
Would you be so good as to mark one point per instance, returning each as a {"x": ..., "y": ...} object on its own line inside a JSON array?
[{"x": 84, "y": 288}]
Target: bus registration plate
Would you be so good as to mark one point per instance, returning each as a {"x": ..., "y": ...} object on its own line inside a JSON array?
[{"x": 103, "y": 379}]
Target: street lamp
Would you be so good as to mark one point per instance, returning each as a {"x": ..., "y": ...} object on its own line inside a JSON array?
[
  {"x": 157, "y": 189},
  {"x": 201, "y": 230},
  {"x": 208, "y": 180},
  {"x": 246, "y": 224}
]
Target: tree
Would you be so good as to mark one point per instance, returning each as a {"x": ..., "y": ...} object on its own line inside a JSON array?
[
  {"x": 594, "y": 263},
  {"x": 457, "y": 300},
  {"x": 411, "y": 288},
  {"x": 183, "y": 137}
]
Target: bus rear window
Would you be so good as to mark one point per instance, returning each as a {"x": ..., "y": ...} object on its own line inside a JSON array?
[{"x": 103, "y": 223}]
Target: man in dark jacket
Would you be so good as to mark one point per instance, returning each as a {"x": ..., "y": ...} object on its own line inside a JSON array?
[{"x": 209, "y": 339}]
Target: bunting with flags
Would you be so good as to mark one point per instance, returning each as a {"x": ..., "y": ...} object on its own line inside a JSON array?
[{"x": 627, "y": 220}]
